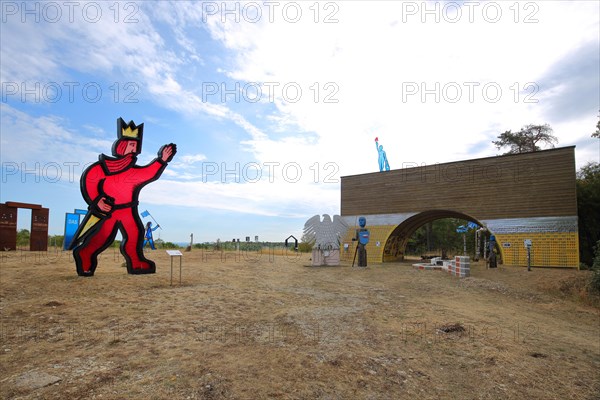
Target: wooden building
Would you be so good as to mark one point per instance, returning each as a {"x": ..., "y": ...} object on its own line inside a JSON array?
[{"x": 517, "y": 197}]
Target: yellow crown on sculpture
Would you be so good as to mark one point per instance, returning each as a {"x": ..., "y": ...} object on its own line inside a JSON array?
[{"x": 128, "y": 132}]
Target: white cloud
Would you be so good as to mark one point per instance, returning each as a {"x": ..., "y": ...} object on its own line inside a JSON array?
[
  {"x": 373, "y": 58},
  {"x": 369, "y": 60},
  {"x": 364, "y": 64},
  {"x": 36, "y": 143},
  {"x": 277, "y": 199},
  {"x": 191, "y": 158}
]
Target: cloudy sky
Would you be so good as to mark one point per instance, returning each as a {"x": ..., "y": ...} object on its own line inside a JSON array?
[{"x": 270, "y": 103}]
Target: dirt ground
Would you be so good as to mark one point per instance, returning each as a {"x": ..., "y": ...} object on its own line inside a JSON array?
[{"x": 258, "y": 326}]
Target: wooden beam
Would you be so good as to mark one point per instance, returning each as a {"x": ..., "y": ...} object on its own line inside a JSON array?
[{"x": 23, "y": 205}]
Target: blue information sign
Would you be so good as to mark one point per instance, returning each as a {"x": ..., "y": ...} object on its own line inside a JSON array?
[{"x": 71, "y": 225}]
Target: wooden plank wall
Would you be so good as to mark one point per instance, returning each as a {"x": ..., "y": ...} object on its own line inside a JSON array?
[
  {"x": 38, "y": 240},
  {"x": 8, "y": 227},
  {"x": 539, "y": 184}
]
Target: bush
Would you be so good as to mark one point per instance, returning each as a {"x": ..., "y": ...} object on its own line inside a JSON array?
[
  {"x": 594, "y": 285},
  {"x": 304, "y": 247},
  {"x": 23, "y": 237},
  {"x": 588, "y": 210}
]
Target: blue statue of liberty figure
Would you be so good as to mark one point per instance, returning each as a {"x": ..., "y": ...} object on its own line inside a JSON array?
[
  {"x": 383, "y": 161},
  {"x": 148, "y": 239}
]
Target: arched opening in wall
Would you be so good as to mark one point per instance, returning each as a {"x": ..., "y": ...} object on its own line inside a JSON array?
[{"x": 401, "y": 242}]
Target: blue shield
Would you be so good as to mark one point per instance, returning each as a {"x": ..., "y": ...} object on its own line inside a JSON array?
[{"x": 363, "y": 237}]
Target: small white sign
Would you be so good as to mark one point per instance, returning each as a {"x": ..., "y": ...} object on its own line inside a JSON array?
[
  {"x": 527, "y": 243},
  {"x": 378, "y": 243},
  {"x": 174, "y": 253}
]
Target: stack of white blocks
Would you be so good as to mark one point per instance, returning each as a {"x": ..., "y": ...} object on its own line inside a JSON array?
[{"x": 460, "y": 266}]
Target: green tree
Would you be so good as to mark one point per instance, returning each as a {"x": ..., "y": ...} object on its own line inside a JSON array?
[
  {"x": 527, "y": 139},
  {"x": 588, "y": 210},
  {"x": 305, "y": 245},
  {"x": 594, "y": 284},
  {"x": 446, "y": 238},
  {"x": 23, "y": 237},
  {"x": 597, "y": 135},
  {"x": 55, "y": 240},
  {"x": 442, "y": 236}
]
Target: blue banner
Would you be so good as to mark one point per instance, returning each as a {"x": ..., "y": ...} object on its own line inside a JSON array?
[
  {"x": 472, "y": 225},
  {"x": 461, "y": 229},
  {"x": 71, "y": 225}
]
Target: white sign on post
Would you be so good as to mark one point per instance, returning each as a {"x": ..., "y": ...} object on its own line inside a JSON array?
[
  {"x": 175, "y": 253},
  {"x": 527, "y": 243}
]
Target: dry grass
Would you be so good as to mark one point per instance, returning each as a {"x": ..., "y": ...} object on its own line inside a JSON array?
[{"x": 270, "y": 327}]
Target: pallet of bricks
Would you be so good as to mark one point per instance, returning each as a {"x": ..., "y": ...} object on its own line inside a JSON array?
[{"x": 460, "y": 266}]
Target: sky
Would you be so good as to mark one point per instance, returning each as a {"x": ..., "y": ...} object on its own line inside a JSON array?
[{"x": 271, "y": 103}]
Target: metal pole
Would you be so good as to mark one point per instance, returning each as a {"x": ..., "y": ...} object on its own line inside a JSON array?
[
  {"x": 485, "y": 254},
  {"x": 528, "y": 258}
]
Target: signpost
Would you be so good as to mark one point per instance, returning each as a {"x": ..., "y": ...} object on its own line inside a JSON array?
[
  {"x": 463, "y": 229},
  {"x": 527, "y": 243},
  {"x": 175, "y": 253}
]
